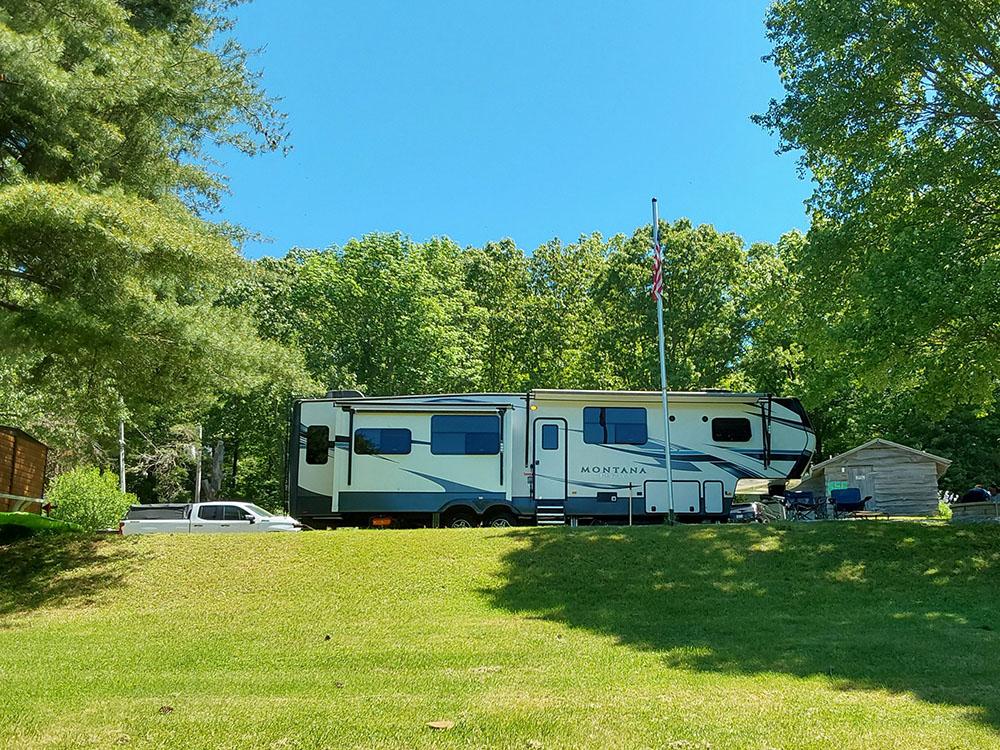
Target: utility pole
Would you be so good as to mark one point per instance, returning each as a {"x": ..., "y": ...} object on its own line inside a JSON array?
[
  {"x": 121, "y": 454},
  {"x": 197, "y": 468}
]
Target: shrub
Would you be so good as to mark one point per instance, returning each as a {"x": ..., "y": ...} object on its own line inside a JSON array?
[
  {"x": 944, "y": 510},
  {"x": 89, "y": 497}
]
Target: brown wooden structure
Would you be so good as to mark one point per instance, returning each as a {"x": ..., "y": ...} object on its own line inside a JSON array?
[
  {"x": 901, "y": 481},
  {"x": 22, "y": 470}
]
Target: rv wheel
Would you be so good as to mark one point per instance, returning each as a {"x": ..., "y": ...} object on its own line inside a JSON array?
[
  {"x": 501, "y": 519},
  {"x": 461, "y": 519}
]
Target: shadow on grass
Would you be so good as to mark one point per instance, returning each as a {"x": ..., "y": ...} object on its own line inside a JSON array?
[
  {"x": 57, "y": 570},
  {"x": 895, "y": 606}
]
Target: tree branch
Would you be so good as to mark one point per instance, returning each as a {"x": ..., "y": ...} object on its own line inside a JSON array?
[{"x": 24, "y": 276}]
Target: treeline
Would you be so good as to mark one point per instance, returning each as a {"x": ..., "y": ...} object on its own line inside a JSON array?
[{"x": 121, "y": 300}]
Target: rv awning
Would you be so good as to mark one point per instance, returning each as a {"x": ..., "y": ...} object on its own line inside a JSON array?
[
  {"x": 395, "y": 406},
  {"x": 643, "y": 396}
]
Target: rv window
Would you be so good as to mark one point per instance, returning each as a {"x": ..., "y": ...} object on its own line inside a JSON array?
[
  {"x": 614, "y": 425},
  {"x": 375, "y": 442},
  {"x": 550, "y": 437},
  {"x": 465, "y": 435},
  {"x": 317, "y": 444},
  {"x": 731, "y": 430}
]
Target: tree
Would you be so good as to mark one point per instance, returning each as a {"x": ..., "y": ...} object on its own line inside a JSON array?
[
  {"x": 383, "y": 314},
  {"x": 704, "y": 323},
  {"x": 498, "y": 276},
  {"x": 109, "y": 275},
  {"x": 773, "y": 360},
  {"x": 895, "y": 106}
]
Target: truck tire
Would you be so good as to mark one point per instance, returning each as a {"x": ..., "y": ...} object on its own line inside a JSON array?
[{"x": 461, "y": 519}]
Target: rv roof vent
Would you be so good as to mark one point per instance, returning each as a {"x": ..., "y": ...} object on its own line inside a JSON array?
[{"x": 344, "y": 394}]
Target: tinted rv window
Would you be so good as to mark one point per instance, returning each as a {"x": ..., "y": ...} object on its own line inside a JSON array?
[
  {"x": 468, "y": 435},
  {"x": 317, "y": 444},
  {"x": 374, "y": 442},
  {"x": 614, "y": 425},
  {"x": 730, "y": 429},
  {"x": 550, "y": 437}
]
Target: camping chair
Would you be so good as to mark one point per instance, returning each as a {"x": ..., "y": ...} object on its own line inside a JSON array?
[
  {"x": 848, "y": 503},
  {"x": 801, "y": 506}
]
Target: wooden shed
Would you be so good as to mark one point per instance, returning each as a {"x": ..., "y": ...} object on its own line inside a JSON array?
[
  {"x": 901, "y": 480},
  {"x": 22, "y": 470}
]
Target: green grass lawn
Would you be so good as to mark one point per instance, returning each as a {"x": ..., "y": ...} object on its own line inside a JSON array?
[{"x": 831, "y": 635}]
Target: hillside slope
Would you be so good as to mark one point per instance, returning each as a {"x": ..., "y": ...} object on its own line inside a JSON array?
[{"x": 830, "y": 635}]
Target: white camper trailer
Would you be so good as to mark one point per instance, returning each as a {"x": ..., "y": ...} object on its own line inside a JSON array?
[{"x": 546, "y": 456}]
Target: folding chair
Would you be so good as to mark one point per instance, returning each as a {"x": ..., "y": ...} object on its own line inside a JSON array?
[
  {"x": 801, "y": 506},
  {"x": 848, "y": 503}
]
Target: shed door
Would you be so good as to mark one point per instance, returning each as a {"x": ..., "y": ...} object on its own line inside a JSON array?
[{"x": 861, "y": 477}]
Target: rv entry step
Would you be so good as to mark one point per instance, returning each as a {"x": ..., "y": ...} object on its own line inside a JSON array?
[{"x": 550, "y": 513}]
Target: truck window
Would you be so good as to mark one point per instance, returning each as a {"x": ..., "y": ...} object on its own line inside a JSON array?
[
  {"x": 233, "y": 513},
  {"x": 465, "y": 435},
  {"x": 317, "y": 444},
  {"x": 731, "y": 430},
  {"x": 614, "y": 425},
  {"x": 382, "y": 441},
  {"x": 210, "y": 513}
]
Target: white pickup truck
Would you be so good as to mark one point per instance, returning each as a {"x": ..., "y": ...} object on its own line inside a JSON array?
[{"x": 203, "y": 518}]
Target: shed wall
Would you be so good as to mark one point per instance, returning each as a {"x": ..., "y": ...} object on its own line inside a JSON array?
[
  {"x": 905, "y": 483},
  {"x": 22, "y": 465}
]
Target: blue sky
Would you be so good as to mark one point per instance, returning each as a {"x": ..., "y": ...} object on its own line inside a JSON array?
[{"x": 530, "y": 120}]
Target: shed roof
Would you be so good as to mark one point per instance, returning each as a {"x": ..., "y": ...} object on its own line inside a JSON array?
[
  {"x": 18, "y": 432},
  {"x": 943, "y": 463}
]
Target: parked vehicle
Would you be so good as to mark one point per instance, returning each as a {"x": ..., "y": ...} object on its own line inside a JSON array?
[
  {"x": 203, "y": 518},
  {"x": 747, "y": 513},
  {"x": 545, "y": 457}
]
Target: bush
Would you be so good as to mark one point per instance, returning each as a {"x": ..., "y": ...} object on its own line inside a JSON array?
[
  {"x": 944, "y": 510},
  {"x": 89, "y": 497}
]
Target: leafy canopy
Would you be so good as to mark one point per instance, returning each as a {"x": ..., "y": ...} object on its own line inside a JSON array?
[
  {"x": 109, "y": 275},
  {"x": 895, "y": 105}
]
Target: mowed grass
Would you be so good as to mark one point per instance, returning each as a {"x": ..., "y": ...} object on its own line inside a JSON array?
[{"x": 826, "y": 635}]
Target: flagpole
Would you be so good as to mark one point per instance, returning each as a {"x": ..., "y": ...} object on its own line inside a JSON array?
[{"x": 663, "y": 371}]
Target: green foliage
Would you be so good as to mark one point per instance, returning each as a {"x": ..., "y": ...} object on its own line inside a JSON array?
[
  {"x": 895, "y": 107},
  {"x": 109, "y": 277},
  {"x": 705, "y": 318},
  {"x": 89, "y": 498}
]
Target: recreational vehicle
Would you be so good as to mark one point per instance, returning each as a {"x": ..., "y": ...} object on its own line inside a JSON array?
[{"x": 545, "y": 456}]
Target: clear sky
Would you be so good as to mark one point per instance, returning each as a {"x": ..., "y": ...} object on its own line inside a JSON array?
[{"x": 532, "y": 120}]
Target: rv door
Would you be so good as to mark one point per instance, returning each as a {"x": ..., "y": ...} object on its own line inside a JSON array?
[{"x": 550, "y": 459}]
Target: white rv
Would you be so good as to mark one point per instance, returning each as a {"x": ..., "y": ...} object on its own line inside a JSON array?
[{"x": 546, "y": 456}]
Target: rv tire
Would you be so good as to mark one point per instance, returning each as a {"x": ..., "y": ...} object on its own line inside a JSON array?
[
  {"x": 460, "y": 519},
  {"x": 500, "y": 519}
]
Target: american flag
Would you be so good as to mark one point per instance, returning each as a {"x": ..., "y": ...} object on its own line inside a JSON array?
[{"x": 657, "y": 291}]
